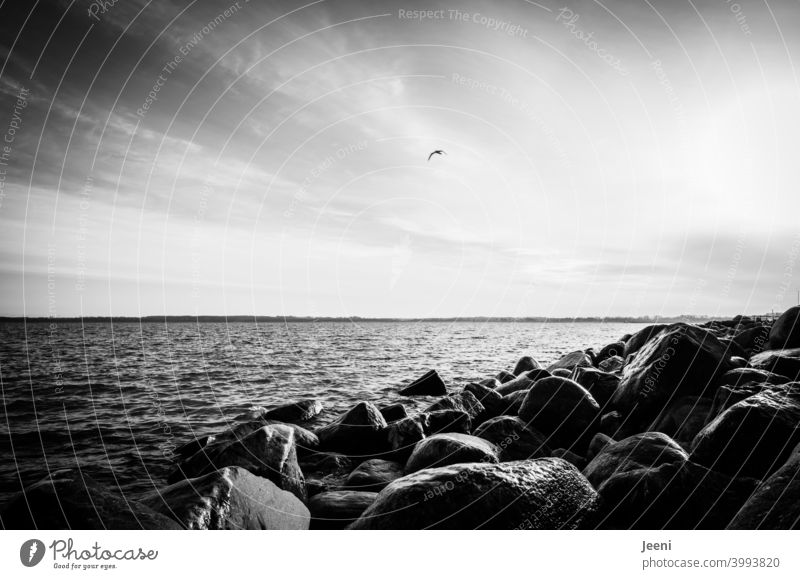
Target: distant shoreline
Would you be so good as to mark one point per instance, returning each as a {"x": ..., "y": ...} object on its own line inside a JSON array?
[{"x": 310, "y": 319}]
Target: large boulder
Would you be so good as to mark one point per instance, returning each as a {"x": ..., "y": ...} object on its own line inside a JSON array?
[
  {"x": 299, "y": 411},
  {"x": 337, "y": 509},
  {"x": 374, "y": 475},
  {"x": 640, "y": 338},
  {"x": 753, "y": 437},
  {"x": 451, "y": 448},
  {"x": 571, "y": 361},
  {"x": 601, "y": 385},
  {"x": 680, "y": 360},
  {"x": 683, "y": 418},
  {"x": 524, "y": 364},
  {"x": 514, "y": 438},
  {"x": 783, "y": 362},
  {"x": 646, "y": 450},
  {"x": 325, "y": 471},
  {"x": 545, "y": 493},
  {"x": 70, "y": 499},
  {"x": 776, "y": 502},
  {"x": 562, "y": 410},
  {"x": 360, "y": 430},
  {"x": 429, "y": 384},
  {"x": 785, "y": 332},
  {"x": 674, "y": 495},
  {"x": 463, "y": 401},
  {"x": 229, "y": 498},
  {"x": 728, "y": 395},
  {"x": 269, "y": 452}
]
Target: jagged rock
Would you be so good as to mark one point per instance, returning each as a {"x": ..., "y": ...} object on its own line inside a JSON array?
[
  {"x": 337, "y": 509},
  {"x": 429, "y": 384},
  {"x": 753, "y": 437},
  {"x": 70, "y": 499},
  {"x": 299, "y": 411},
  {"x": 450, "y": 448},
  {"x": 646, "y": 450},
  {"x": 229, "y": 498},
  {"x": 601, "y": 385},
  {"x": 545, "y": 493},
  {"x": 560, "y": 409},
  {"x": 325, "y": 471},
  {"x": 359, "y": 430},
  {"x": 524, "y": 364},
  {"x": 673, "y": 495},
  {"x": 776, "y": 502},
  {"x": 513, "y": 437},
  {"x": 269, "y": 452},
  {"x": 681, "y": 360},
  {"x": 783, "y": 362},
  {"x": 463, "y": 401},
  {"x": 570, "y": 362},
  {"x": 612, "y": 365},
  {"x": 374, "y": 475},
  {"x": 394, "y": 412},
  {"x": 785, "y": 332}
]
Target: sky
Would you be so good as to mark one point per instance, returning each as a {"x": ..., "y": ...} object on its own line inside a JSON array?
[{"x": 270, "y": 158}]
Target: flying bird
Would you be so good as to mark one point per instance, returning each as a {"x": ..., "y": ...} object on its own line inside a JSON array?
[{"x": 436, "y": 152}]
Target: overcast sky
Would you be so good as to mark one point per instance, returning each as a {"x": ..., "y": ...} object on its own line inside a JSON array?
[{"x": 614, "y": 158}]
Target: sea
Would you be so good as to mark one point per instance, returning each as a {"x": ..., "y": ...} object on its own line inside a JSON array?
[{"x": 116, "y": 400}]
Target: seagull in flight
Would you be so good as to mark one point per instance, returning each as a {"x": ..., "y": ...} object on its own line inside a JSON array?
[{"x": 436, "y": 152}]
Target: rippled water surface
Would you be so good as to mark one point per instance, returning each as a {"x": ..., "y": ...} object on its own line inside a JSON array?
[{"x": 120, "y": 397}]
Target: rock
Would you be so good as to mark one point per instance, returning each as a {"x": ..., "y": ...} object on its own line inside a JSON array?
[
  {"x": 404, "y": 434},
  {"x": 491, "y": 400},
  {"x": 615, "y": 349},
  {"x": 394, "y": 412},
  {"x": 504, "y": 377},
  {"x": 70, "y": 499},
  {"x": 612, "y": 365},
  {"x": 753, "y": 340},
  {"x": 570, "y": 362},
  {"x": 598, "y": 443},
  {"x": 562, "y": 373},
  {"x": 463, "y": 401},
  {"x": 560, "y": 409},
  {"x": 776, "y": 502},
  {"x": 325, "y": 471},
  {"x": 684, "y": 418},
  {"x": 359, "y": 430},
  {"x": 188, "y": 449},
  {"x": 574, "y": 459},
  {"x": 738, "y": 362},
  {"x": 640, "y": 338},
  {"x": 783, "y": 362},
  {"x": 269, "y": 452},
  {"x": 337, "y": 509},
  {"x": 729, "y": 394},
  {"x": 646, "y": 450},
  {"x": 299, "y": 411},
  {"x": 601, "y": 385},
  {"x": 524, "y": 364},
  {"x": 229, "y": 498},
  {"x": 513, "y": 437},
  {"x": 446, "y": 421},
  {"x": 492, "y": 383},
  {"x": 681, "y": 360},
  {"x": 450, "y": 448},
  {"x": 674, "y": 495},
  {"x": 785, "y": 332},
  {"x": 513, "y": 402},
  {"x": 750, "y": 375},
  {"x": 732, "y": 348},
  {"x": 374, "y": 475},
  {"x": 429, "y": 384},
  {"x": 523, "y": 382},
  {"x": 753, "y": 437},
  {"x": 610, "y": 423},
  {"x": 545, "y": 493}
]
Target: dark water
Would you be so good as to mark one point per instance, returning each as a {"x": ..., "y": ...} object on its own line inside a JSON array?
[{"x": 120, "y": 398}]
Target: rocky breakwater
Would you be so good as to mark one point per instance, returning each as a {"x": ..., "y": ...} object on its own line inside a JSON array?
[{"x": 677, "y": 426}]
